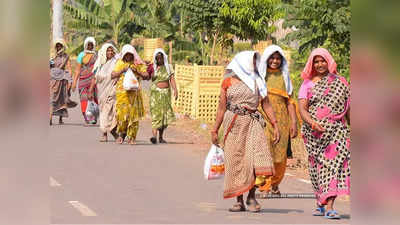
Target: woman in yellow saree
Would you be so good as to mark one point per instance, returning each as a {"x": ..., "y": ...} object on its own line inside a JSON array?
[
  {"x": 274, "y": 68},
  {"x": 129, "y": 104}
]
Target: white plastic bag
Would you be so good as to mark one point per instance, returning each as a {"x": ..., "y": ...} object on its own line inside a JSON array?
[
  {"x": 214, "y": 167},
  {"x": 130, "y": 82},
  {"x": 92, "y": 110}
]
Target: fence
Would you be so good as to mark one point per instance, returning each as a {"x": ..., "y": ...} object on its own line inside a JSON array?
[
  {"x": 149, "y": 46},
  {"x": 199, "y": 89}
]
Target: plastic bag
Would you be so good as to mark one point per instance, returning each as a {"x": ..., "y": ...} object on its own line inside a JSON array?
[
  {"x": 92, "y": 110},
  {"x": 130, "y": 82},
  {"x": 214, "y": 167}
]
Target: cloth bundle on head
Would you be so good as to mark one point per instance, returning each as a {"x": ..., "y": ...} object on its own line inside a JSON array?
[
  {"x": 242, "y": 66},
  {"x": 159, "y": 50},
  {"x": 86, "y": 44},
  {"x": 102, "y": 55},
  {"x": 130, "y": 49},
  {"x": 60, "y": 41},
  {"x": 309, "y": 71},
  {"x": 262, "y": 68}
]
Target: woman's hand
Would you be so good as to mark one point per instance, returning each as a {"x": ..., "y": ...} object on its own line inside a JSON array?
[
  {"x": 277, "y": 136},
  {"x": 293, "y": 130},
  {"x": 90, "y": 94},
  {"x": 176, "y": 94},
  {"x": 317, "y": 127},
  {"x": 214, "y": 137},
  {"x": 73, "y": 87}
]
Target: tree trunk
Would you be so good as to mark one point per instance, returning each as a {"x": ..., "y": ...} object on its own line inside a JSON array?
[
  {"x": 57, "y": 19},
  {"x": 170, "y": 52},
  {"x": 215, "y": 36}
]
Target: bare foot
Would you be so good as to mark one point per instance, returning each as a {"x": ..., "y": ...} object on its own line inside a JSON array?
[
  {"x": 120, "y": 140},
  {"x": 103, "y": 138}
]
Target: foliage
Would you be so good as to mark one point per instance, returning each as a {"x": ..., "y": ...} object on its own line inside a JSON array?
[
  {"x": 250, "y": 20},
  {"x": 320, "y": 23},
  {"x": 241, "y": 46}
]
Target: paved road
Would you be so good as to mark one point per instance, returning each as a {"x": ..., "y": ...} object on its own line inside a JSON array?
[{"x": 106, "y": 183}]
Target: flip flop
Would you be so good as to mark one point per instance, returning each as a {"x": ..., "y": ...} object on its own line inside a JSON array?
[
  {"x": 253, "y": 205},
  {"x": 332, "y": 214},
  {"x": 237, "y": 207},
  {"x": 320, "y": 211}
]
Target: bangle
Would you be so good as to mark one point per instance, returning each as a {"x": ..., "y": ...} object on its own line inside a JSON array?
[
  {"x": 312, "y": 126},
  {"x": 214, "y": 132},
  {"x": 274, "y": 123}
]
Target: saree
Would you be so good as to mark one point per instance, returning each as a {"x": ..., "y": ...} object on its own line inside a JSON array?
[
  {"x": 279, "y": 99},
  {"x": 107, "y": 98},
  {"x": 129, "y": 104},
  {"x": 85, "y": 78},
  {"x": 161, "y": 110},
  {"x": 59, "y": 80},
  {"x": 328, "y": 152},
  {"x": 246, "y": 155}
]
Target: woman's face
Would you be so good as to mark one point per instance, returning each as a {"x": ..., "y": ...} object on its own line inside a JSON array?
[
  {"x": 160, "y": 59},
  {"x": 275, "y": 61},
  {"x": 320, "y": 65},
  {"x": 90, "y": 46},
  {"x": 128, "y": 57},
  {"x": 110, "y": 53},
  {"x": 59, "y": 47}
]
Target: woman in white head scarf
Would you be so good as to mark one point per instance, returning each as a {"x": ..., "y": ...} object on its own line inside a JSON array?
[
  {"x": 274, "y": 69},
  {"x": 103, "y": 67},
  {"x": 161, "y": 110},
  {"x": 246, "y": 155},
  {"x": 129, "y": 105},
  {"x": 84, "y": 72}
]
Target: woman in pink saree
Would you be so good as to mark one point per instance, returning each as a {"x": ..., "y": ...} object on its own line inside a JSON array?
[{"x": 324, "y": 100}]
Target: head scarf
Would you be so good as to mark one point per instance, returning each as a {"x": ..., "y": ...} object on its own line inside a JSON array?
[
  {"x": 86, "y": 43},
  {"x": 102, "y": 55},
  {"x": 309, "y": 71},
  {"x": 262, "y": 68},
  {"x": 130, "y": 49},
  {"x": 159, "y": 50},
  {"x": 242, "y": 66},
  {"x": 60, "y": 41}
]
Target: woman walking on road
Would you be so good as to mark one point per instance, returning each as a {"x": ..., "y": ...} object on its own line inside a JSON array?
[
  {"x": 324, "y": 100},
  {"x": 84, "y": 72},
  {"x": 246, "y": 154},
  {"x": 162, "y": 76},
  {"x": 129, "y": 105},
  {"x": 103, "y": 68},
  {"x": 60, "y": 83},
  {"x": 275, "y": 69}
]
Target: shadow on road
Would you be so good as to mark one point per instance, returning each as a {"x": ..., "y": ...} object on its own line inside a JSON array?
[{"x": 281, "y": 211}]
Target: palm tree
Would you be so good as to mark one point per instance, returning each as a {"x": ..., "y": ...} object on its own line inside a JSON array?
[{"x": 107, "y": 19}]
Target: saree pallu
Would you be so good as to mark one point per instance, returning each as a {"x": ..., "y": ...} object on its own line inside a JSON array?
[
  {"x": 106, "y": 92},
  {"x": 161, "y": 110},
  {"x": 246, "y": 155},
  {"x": 129, "y": 104},
  {"x": 279, "y": 99},
  {"x": 85, "y": 78},
  {"x": 329, "y": 155}
]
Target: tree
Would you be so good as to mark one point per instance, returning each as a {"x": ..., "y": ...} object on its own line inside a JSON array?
[
  {"x": 112, "y": 19},
  {"x": 251, "y": 19},
  {"x": 321, "y": 23},
  {"x": 57, "y": 19}
]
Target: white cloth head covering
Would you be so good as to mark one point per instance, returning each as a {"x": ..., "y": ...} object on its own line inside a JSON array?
[
  {"x": 86, "y": 43},
  {"x": 262, "y": 68},
  {"x": 102, "y": 55},
  {"x": 166, "y": 64},
  {"x": 62, "y": 42},
  {"x": 242, "y": 66},
  {"x": 130, "y": 49}
]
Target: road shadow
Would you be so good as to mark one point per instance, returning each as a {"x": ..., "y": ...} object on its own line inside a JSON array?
[
  {"x": 281, "y": 211},
  {"x": 67, "y": 124},
  {"x": 345, "y": 216}
]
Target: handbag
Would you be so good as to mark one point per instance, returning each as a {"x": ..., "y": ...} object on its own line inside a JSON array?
[{"x": 130, "y": 82}]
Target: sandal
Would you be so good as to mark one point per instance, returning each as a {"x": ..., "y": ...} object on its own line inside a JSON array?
[
  {"x": 319, "y": 211},
  {"x": 275, "y": 192},
  {"x": 237, "y": 207},
  {"x": 103, "y": 138},
  {"x": 132, "y": 142},
  {"x": 153, "y": 140},
  {"x": 162, "y": 141},
  {"x": 253, "y": 205},
  {"x": 332, "y": 214}
]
